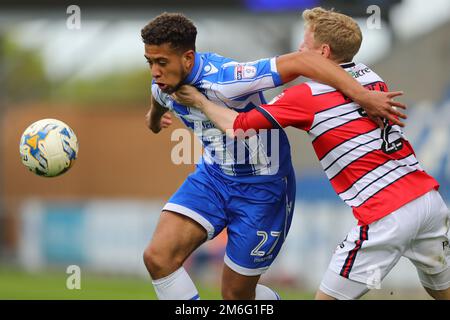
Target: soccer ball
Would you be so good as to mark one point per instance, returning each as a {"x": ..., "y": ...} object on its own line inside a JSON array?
[{"x": 48, "y": 147}]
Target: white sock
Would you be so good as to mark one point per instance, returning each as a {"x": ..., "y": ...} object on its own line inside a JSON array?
[
  {"x": 265, "y": 293},
  {"x": 176, "y": 286}
]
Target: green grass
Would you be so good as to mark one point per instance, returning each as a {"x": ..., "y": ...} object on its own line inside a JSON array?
[
  {"x": 52, "y": 285},
  {"x": 16, "y": 284}
]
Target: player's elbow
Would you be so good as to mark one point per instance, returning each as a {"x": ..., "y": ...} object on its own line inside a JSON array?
[{"x": 155, "y": 129}]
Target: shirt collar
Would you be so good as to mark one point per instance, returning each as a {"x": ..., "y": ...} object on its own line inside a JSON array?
[
  {"x": 196, "y": 69},
  {"x": 347, "y": 65}
]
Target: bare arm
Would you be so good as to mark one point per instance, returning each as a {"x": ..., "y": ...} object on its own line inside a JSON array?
[
  {"x": 156, "y": 118},
  {"x": 313, "y": 65},
  {"x": 222, "y": 117}
]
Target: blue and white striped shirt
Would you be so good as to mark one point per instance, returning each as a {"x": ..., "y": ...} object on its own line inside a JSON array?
[{"x": 263, "y": 157}]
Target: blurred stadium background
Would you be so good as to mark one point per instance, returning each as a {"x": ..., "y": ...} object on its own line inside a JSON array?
[{"x": 102, "y": 213}]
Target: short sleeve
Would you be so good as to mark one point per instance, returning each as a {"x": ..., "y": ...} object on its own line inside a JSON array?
[
  {"x": 239, "y": 79},
  {"x": 294, "y": 107}
]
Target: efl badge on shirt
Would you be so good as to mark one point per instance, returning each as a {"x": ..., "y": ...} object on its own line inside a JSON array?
[{"x": 244, "y": 72}]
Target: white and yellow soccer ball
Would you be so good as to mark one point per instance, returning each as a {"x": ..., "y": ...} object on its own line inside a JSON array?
[{"x": 48, "y": 147}]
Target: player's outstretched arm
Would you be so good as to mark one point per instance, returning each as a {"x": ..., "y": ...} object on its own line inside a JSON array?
[
  {"x": 378, "y": 105},
  {"x": 156, "y": 118},
  {"x": 222, "y": 117}
]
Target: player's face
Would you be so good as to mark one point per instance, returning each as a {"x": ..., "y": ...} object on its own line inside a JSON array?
[
  {"x": 310, "y": 44},
  {"x": 168, "y": 67}
]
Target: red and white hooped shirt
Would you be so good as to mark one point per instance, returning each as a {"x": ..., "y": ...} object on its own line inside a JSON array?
[{"x": 374, "y": 171}]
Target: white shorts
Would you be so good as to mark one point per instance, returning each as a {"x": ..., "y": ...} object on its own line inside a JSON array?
[{"x": 417, "y": 231}]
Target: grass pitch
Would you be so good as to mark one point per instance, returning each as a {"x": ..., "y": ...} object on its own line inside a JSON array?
[{"x": 19, "y": 285}]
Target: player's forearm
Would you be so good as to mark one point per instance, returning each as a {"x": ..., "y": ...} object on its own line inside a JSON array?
[
  {"x": 312, "y": 65},
  {"x": 154, "y": 118},
  {"x": 155, "y": 124},
  {"x": 223, "y": 118}
]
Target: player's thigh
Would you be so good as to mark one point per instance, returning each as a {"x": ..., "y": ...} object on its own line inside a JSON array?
[
  {"x": 237, "y": 286},
  {"x": 191, "y": 216},
  {"x": 365, "y": 256},
  {"x": 200, "y": 199},
  {"x": 429, "y": 251},
  {"x": 177, "y": 236},
  {"x": 432, "y": 261},
  {"x": 260, "y": 216}
]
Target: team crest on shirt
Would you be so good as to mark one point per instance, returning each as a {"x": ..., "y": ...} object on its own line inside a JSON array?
[
  {"x": 244, "y": 72},
  {"x": 278, "y": 97},
  {"x": 210, "y": 69}
]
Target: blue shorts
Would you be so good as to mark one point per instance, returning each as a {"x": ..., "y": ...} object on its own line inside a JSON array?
[{"x": 257, "y": 215}]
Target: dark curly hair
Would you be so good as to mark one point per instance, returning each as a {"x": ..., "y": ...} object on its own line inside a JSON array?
[{"x": 172, "y": 28}]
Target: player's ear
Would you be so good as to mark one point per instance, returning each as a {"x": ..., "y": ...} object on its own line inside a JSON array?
[
  {"x": 326, "y": 50},
  {"x": 188, "y": 58}
]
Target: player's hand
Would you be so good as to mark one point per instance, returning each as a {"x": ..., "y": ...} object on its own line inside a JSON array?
[
  {"x": 166, "y": 120},
  {"x": 189, "y": 96},
  {"x": 380, "y": 105}
]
